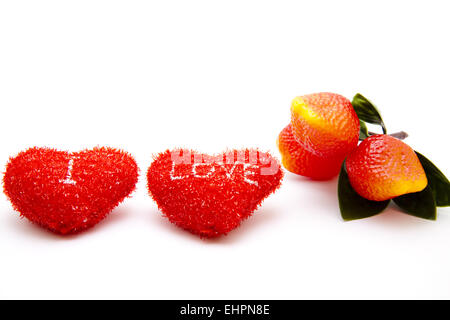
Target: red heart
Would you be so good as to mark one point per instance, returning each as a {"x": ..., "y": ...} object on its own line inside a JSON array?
[
  {"x": 211, "y": 195},
  {"x": 69, "y": 192}
]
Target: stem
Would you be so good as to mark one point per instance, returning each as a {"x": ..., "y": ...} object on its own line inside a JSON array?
[{"x": 399, "y": 135}]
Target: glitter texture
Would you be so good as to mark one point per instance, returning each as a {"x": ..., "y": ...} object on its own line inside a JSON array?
[
  {"x": 210, "y": 195},
  {"x": 69, "y": 192}
]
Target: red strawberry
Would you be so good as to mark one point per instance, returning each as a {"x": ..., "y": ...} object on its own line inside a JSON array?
[
  {"x": 211, "y": 195},
  {"x": 325, "y": 123},
  {"x": 298, "y": 159},
  {"x": 69, "y": 192}
]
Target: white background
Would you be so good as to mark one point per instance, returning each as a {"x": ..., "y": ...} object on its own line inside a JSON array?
[{"x": 150, "y": 75}]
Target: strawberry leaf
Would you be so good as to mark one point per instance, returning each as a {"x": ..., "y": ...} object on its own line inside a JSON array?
[
  {"x": 438, "y": 182},
  {"x": 419, "y": 204},
  {"x": 363, "y": 132},
  {"x": 367, "y": 111},
  {"x": 351, "y": 204}
]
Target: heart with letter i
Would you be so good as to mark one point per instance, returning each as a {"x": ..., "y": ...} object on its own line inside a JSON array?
[{"x": 69, "y": 192}]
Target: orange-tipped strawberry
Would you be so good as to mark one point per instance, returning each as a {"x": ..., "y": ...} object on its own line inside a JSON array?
[
  {"x": 383, "y": 167},
  {"x": 325, "y": 124},
  {"x": 297, "y": 159},
  {"x": 324, "y": 129}
]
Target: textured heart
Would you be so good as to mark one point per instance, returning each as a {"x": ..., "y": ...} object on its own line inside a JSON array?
[
  {"x": 211, "y": 195},
  {"x": 69, "y": 192}
]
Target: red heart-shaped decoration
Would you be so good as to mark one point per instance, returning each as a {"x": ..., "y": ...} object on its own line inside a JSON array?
[
  {"x": 211, "y": 195},
  {"x": 69, "y": 192}
]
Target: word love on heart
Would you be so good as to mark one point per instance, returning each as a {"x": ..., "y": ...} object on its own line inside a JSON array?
[
  {"x": 248, "y": 163},
  {"x": 210, "y": 195}
]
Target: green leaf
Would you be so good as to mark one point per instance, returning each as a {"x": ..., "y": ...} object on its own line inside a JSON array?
[
  {"x": 367, "y": 111},
  {"x": 352, "y": 205},
  {"x": 419, "y": 204},
  {"x": 438, "y": 182},
  {"x": 363, "y": 133}
]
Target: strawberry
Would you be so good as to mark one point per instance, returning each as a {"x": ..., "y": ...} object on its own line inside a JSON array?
[
  {"x": 324, "y": 129},
  {"x": 299, "y": 160},
  {"x": 383, "y": 167},
  {"x": 325, "y": 123}
]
